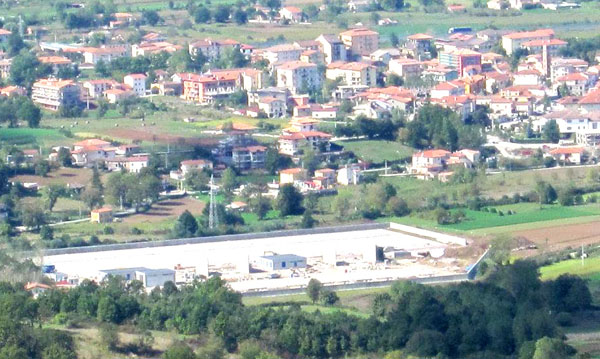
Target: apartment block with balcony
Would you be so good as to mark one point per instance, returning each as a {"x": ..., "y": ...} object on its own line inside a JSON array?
[{"x": 52, "y": 94}]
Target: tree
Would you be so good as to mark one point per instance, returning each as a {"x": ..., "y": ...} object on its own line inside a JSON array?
[
  {"x": 313, "y": 289},
  {"x": 397, "y": 206},
  {"x": 42, "y": 168},
  {"x": 30, "y": 113},
  {"x": 96, "y": 182},
  {"x": 551, "y": 131},
  {"x": 546, "y": 193},
  {"x": 15, "y": 44},
  {"x": 107, "y": 310},
  {"x": 186, "y": 225},
  {"x": 289, "y": 201},
  {"x": 102, "y": 69},
  {"x": 260, "y": 206},
  {"x": 151, "y": 17},
  {"x": 57, "y": 351},
  {"x": 392, "y": 5},
  {"x": 202, "y": 15},
  {"x": 394, "y": 80},
  {"x": 395, "y": 41},
  {"x": 32, "y": 216},
  {"x": 92, "y": 198},
  {"x": 179, "y": 351},
  {"x": 26, "y": 68},
  {"x": 197, "y": 180},
  {"x": 64, "y": 157},
  {"x": 329, "y": 297},
  {"x": 274, "y": 161},
  {"x": 229, "y": 180},
  {"x": 51, "y": 193},
  {"x": 307, "y": 220},
  {"x": 240, "y": 17},
  {"x": 109, "y": 336},
  {"x": 221, "y": 14}
]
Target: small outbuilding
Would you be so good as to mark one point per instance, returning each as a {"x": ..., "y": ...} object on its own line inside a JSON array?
[
  {"x": 101, "y": 215},
  {"x": 280, "y": 262}
]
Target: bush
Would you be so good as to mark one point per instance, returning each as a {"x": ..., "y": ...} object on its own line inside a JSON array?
[
  {"x": 493, "y": 210},
  {"x": 136, "y": 231},
  {"x": 329, "y": 297},
  {"x": 108, "y": 230}
]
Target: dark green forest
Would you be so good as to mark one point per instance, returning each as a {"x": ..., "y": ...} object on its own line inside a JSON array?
[{"x": 510, "y": 314}]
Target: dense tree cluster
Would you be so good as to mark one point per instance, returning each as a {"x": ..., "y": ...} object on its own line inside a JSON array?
[
  {"x": 19, "y": 108},
  {"x": 20, "y": 336},
  {"x": 439, "y": 127},
  {"x": 499, "y": 317}
]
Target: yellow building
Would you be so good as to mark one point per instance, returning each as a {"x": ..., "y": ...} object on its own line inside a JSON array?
[{"x": 101, "y": 215}]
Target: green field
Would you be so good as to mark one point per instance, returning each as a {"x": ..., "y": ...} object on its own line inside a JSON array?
[
  {"x": 378, "y": 151},
  {"x": 44, "y": 137},
  {"x": 590, "y": 268}
]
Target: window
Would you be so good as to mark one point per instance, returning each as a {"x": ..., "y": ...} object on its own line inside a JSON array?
[{"x": 282, "y": 264}]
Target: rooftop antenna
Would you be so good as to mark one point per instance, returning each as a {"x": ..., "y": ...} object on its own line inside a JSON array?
[{"x": 213, "y": 216}]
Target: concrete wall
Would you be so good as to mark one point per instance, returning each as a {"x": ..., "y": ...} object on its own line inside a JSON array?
[
  {"x": 232, "y": 237},
  {"x": 440, "y": 237}
]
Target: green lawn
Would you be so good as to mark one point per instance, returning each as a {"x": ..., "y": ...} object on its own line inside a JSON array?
[
  {"x": 32, "y": 137},
  {"x": 378, "y": 151},
  {"x": 590, "y": 268}
]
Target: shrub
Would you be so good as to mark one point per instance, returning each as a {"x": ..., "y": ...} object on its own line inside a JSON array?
[
  {"x": 109, "y": 230},
  {"x": 564, "y": 319}
]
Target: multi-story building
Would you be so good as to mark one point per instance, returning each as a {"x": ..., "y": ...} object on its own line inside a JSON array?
[
  {"x": 406, "y": 67},
  {"x": 360, "y": 42},
  {"x": 212, "y": 49},
  {"x": 248, "y": 157},
  {"x": 332, "y": 47},
  {"x": 537, "y": 46},
  {"x": 352, "y": 73},
  {"x": 463, "y": 60},
  {"x": 513, "y": 41},
  {"x": 419, "y": 46},
  {"x": 52, "y": 94},
  {"x": 204, "y": 89},
  {"x": 57, "y": 62},
  {"x": 137, "y": 82},
  {"x": 92, "y": 55},
  {"x": 281, "y": 53},
  {"x": 149, "y": 48},
  {"x": 96, "y": 88},
  {"x": 298, "y": 76}
]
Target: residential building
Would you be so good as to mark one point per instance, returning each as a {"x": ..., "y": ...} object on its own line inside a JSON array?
[
  {"x": 4, "y": 35},
  {"x": 463, "y": 60},
  {"x": 92, "y": 55},
  {"x": 116, "y": 95},
  {"x": 149, "y": 48},
  {"x": 96, "y": 88},
  {"x": 576, "y": 83},
  {"x": 5, "y": 65},
  {"x": 249, "y": 157},
  {"x": 291, "y": 175},
  {"x": 418, "y": 46},
  {"x": 291, "y": 143},
  {"x": 52, "y": 94},
  {"x": 137, "y": 82},
  {"x": 513, "y": 41},
  {"x": 281, "y": 53},
  {"x": 349, "y": 175},
  {"x": 298, "y": 76},
  {"x": 212, "y": 49},
  {"x": 194, "y": 165},
  {"x": 568, "y": 155},
  {"x": 272, "y": 107},
  {"x": 291, "y": 14},
  {"x": 527, "y": 78},
  {"x": 360, "y": 42},
  {"x": 332, "y": 47},
  {"x": 537, "y": 46},
  {"x": 352, "y": 73},
  {"x": 130, "y": 164},
  {"x": 204, "y": 89},
  {"x": 56, "y": 62},
  {"x": 405, "y": 67},
  {"x": 10, "y": 91},
  {"x": 101, "y": 215}
]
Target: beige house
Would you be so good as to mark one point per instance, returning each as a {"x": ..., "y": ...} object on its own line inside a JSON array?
[
  {"x": 352, "y": 73},
  {"x": 298, "y": 76},
  {"x": 291, "y": 13},
  {"x": 291, "y": 175},
  {"x": 360, "y": 42}
]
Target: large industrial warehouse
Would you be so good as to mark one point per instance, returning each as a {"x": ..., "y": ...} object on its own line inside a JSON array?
[{"x": 287, "y": 259}]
